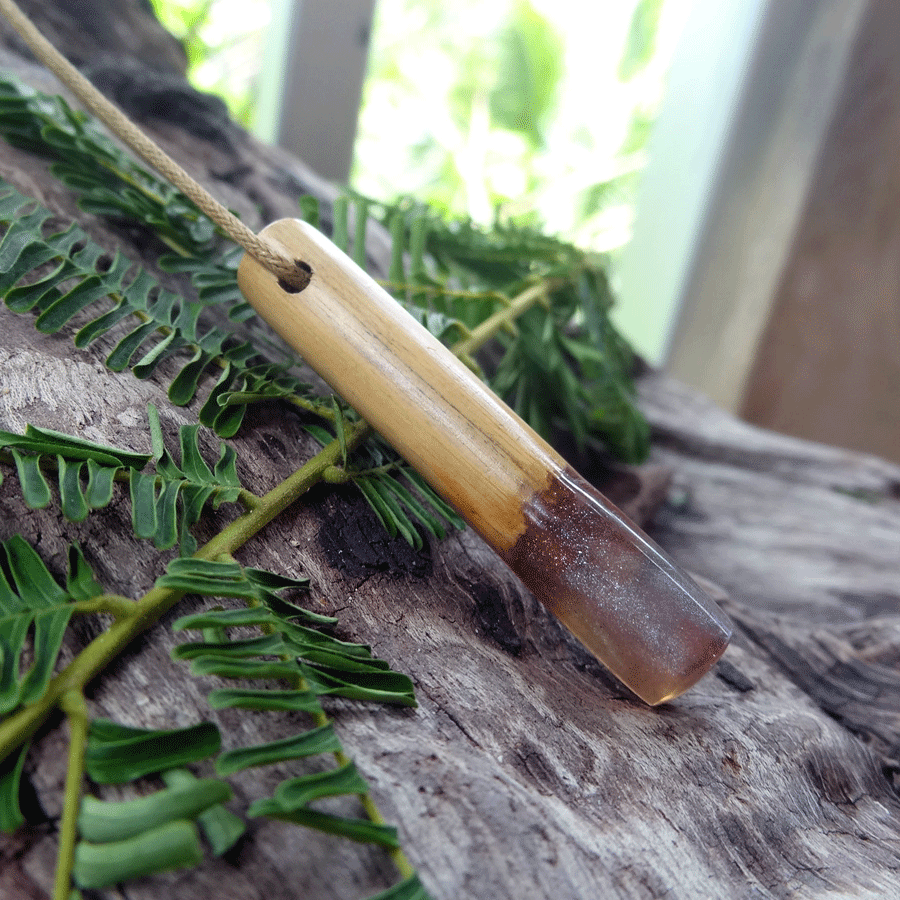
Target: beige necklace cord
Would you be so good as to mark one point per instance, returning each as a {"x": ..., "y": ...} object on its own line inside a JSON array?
[{"x": 294, "y": 273}]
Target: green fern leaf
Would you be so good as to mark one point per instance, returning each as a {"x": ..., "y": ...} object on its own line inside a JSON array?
[
  {"x": 111, "y": 183},
  {"x": 297, "y": 792},
  {"x": 257, "y": 669},
  {"x": 409, "y": 889},
  {"x": 214, "y": 618},
  {"x": 32, "y": 601},
  {"x": 72, "y": 501},
  {"x": 175, "y": 845},
  {"x": 167, "y": 520},
  {"x": 267, "y": 644},
  {"x": 264, "y": 700},
  {"x": 381, "y": 687},
  {"x": 144, "y": 519},
  {"x": 389, "y": 511},
  {"x": 184, "y": 385},
  {"x": 11, "y": 768},
  {"x": 101, "y": 821},
  {"x": 221, "y": 827},
  {"x": 101, "y": 480},
  {"x": 164, "y": 505},
  {"x": 80, "y": 581},
  {"x": 193, "y": 465},
  {"x": 125, "y": 839},
  {"x": 35, "y": 487},
  {"x": 316, "y": 663},
  {"x": 168, "y": 326},
  {"x": 207, "y": 578},
  {"x": 35, "y": 586},
  {"x": 360, "y": 830},
  {"x": 308, "y": 743},
  {"x": 118, "y": 753},
  {"x": 275, "y": 582},
  {"x": 87, "y": 292},
  {"x": 53, "y": 443},
  {"x": 49, "y": 627},
  {"x": 13, "y": 632}
]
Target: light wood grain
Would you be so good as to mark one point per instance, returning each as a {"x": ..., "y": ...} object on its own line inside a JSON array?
[{"x": 435, "y": 412}]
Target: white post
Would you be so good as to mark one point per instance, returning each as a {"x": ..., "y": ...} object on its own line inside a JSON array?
[
  {"x": 751, "y": 93},
  {"x": 316, "y": 57}
]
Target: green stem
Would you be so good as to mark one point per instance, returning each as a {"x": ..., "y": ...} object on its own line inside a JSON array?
[
  {"x": 158, "y": 601},
  {"x": 72, "y": 703},
  {"x": 117, "y": 606},
  {"x": 491, "y": 326},
  {"x": 134, "y": 618},
  {"x": 248, "y": 499},
  {"x": 399, "y": 858},
  {"x": 316, "y": 407},
  {"x": 16, "y": 729}
]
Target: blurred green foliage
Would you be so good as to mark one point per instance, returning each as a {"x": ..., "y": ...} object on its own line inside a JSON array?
[
  {"x": 223, "y": 40},
  {"x": 536, "y": 111},
  {"x": 528, "y": 74},
  {"x": 533, "y": 111}
]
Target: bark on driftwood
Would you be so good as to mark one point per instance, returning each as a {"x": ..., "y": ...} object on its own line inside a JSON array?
[{"x": 526, "y": 771}]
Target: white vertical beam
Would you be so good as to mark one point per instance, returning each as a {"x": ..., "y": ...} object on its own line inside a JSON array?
[
  {"x": 703, "y": 84},
  {"x": 317, "y": 53},
  {"x": 751, "y": 94}
]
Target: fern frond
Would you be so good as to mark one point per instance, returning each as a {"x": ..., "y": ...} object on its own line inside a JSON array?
[
  {"x": 221, "y": 827},
  {"x": 39, "y": 450},
  {"x": 175, "y": 845},
  {"x": 561, "y": 364},
  {"x": 363, "y": 831},
  {"x": 313, "y": 663},
  {"x": 110, "y": 182},
  {"x": 329, "y": 666},
  {"x": 31, "y": 601},
  {"x": 117, "y": 754},
  {"x": 102, "y": 822},
  {"x": 83, "y": 284},
  {"x": 410, "y": 888},
  {"x": 11, "y": 769},
  {"x": 125, "y": 839},
  {"x": 401, "y": 499},
  {"x": 165, "y": 504}
]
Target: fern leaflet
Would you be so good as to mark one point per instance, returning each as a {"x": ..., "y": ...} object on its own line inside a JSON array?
[{"x": 82, "y": 283}]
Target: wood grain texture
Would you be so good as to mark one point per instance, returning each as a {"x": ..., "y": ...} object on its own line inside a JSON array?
[
  {"x": 467, "y": 444},
  {"x": 526, "y": 772}
]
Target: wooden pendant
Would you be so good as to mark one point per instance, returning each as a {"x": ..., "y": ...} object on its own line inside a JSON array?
[{"x": 608, "y": 583}]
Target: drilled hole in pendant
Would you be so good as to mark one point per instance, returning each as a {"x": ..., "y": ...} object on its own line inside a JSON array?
[{"x": 295, "y": 289}]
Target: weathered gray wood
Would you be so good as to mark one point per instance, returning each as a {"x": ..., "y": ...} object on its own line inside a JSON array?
[{"x": 526, "y": 771}]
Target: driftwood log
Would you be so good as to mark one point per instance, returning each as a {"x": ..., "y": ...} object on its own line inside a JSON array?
[{"x": 526, "y": 771}]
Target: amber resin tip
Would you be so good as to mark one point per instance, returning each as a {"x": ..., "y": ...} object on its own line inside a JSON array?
[{"x": 616, "y": 591}]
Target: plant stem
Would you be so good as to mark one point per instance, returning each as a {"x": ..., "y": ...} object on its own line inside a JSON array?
[
  {"x": 116, "y": 606},
  {"x": 16, "y": 729},
  {"x": 72, "y": 703},
  {"x": 135, "y": 617},
  {"x": 158, "y": 601},
  {"x": 491, "y": 326}
]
